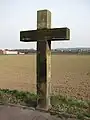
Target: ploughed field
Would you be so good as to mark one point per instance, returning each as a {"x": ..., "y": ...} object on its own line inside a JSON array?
[{"x": 70, "y": 74}]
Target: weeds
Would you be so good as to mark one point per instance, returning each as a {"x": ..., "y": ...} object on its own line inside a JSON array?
[{"x": 80, "y": 108}]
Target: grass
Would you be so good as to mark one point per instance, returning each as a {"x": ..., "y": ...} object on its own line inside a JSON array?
[
  {"x": 70, "y": 106},
  {"x": 80, "y": 108},
  {"x": 18, "y": 97}
]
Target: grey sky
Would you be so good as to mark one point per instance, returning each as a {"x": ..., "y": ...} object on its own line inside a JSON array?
[{"x": 16, "y": 15}]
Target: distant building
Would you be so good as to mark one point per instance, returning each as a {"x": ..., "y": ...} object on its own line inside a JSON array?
[
  {"x": 11, "y": 52},
  {"x": 8, "y": 52}
]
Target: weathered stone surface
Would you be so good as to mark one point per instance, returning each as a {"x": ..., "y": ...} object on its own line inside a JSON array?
[
  {"x": 43, "y": 61},
  {"x": 43, "y": 19},
  {"x": 44, "y": 35}
]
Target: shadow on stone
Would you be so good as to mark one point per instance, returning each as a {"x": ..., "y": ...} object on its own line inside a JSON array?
[{"x": 31, "y": 103}]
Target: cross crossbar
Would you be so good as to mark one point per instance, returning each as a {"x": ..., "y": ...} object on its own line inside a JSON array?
[{"x": 40, "y": 34}]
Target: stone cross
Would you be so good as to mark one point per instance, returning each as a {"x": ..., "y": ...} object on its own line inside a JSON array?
[{"x": 44, "y": 34}]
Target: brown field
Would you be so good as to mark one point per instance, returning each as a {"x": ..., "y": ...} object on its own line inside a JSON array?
[{"x": 70, "y": 74}]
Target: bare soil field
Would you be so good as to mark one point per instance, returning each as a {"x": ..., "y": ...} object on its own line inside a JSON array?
[{"x": 70, "y": 74}]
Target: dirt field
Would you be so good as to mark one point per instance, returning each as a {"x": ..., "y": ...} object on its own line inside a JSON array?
[{"x": 70, "y": 74}]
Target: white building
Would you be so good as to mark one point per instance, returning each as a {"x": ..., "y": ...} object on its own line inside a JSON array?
[{"x": 7, "y": 52}]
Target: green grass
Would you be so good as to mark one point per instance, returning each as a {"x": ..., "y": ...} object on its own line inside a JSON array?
[
  {"x": 18, "y": 97},
  {"x": 80, "y": 108}
]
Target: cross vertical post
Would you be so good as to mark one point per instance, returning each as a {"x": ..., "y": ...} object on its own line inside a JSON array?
[{"x": 44, "y": 61}]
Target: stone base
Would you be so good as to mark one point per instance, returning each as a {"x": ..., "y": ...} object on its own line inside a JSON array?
[{"x": 44, "y": 109}]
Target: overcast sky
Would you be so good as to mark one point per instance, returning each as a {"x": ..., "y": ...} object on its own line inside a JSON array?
[{"x": 16, "y": 15}]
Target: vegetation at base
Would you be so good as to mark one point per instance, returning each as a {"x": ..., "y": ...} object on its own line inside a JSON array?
[
  {"x": 18, "y": 97},
  {"x": 80, "y": 108}
]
